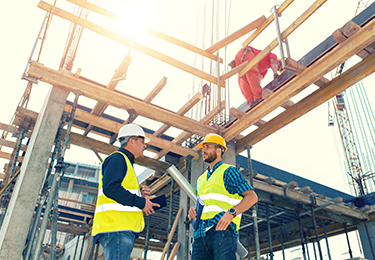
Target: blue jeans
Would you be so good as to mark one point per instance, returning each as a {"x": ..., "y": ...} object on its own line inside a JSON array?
[
  {"x": 215, "y": 245},
  {"x": 117, "y": 245}
]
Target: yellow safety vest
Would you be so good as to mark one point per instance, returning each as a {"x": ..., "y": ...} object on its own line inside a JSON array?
[
  {"x": 216, "y": 198},
  {"x": 111, "y": 216}
]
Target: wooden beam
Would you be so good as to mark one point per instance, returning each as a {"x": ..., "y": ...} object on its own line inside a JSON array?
[
  {"x": 237, "y": 34},
  {"x": 11, "y": 144},
  {"x": 101, "y": 107},
  {"x": 284, "y": 35},
  {"x": 233, "y": 71},
  {"x": 185, "y": 135},
  {"x": 114, "y": 98},
  {"x": 182, "y": 111},
  {"x": 148, "y": 98},
  {"x": 331, "y": 89},
  {"x": 104, "y": 148},
  {"x": 12, "y": 129},
  {"x": 123, "y": 40},
  {"x": 306, "y": 200},
  {"x": 267, "y": 22},
  {"x": 151, "y": 31},
  {"x": 297, "y": 68},
  {"x": 329, "y": 61}
]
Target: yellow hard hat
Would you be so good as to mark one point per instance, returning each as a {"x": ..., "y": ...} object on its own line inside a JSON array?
[{"x": 214, "y": 139}]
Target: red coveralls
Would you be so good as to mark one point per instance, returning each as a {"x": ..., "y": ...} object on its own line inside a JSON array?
[{"x": 250, "y": 82}]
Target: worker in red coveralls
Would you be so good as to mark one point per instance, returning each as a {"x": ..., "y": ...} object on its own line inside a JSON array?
[{"x": 250, "y": 82}]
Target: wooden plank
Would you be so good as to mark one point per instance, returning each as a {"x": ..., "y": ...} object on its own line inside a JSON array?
[
  {"x": 170, "y": 236},
  {"x": 329, "y": 61},
  {"x": 151, "y": 31},
  {"x": 237, "y": 113},
  {"x": 123, "y": 40},
  {"x": 267, "y": 22},
  {"x": 334, "y": 87},
  {"x": 284, "y": 35},
  {"x": 237, "y": 34},
  {"x": 182, "y": 111},
  {"x": 114, "y": 98},
  {"x": 268, "y": 93}
]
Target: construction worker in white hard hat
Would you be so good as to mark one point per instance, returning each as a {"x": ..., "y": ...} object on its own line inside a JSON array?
[
  {"x": 226, "y": 194},
  {"x": 118, "y": 215}
]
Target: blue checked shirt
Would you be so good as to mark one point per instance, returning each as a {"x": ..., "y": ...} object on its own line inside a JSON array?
[{"x": 234, "y": 183}]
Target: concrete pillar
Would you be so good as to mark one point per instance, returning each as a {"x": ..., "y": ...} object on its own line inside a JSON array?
[
  {"x": 22, "y": 204},
  {"x": 365, "y": 239}
]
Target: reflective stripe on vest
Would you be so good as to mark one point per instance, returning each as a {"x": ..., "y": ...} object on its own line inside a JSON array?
[
  {"x": 216, "y": 198},
  {"x": 111, "y": 216}
]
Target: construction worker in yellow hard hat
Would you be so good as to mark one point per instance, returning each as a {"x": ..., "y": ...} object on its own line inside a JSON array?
[{"x": 226, "y": 194}]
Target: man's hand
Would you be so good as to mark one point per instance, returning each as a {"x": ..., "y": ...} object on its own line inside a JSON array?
[
  {"x": 145, "y": 191},
  {"x": 149, "y": 204},
  {"x": 192, "y": 213},
  {"x": 232, "y": 64},
  {"x": 224, "y": 221},
  {"x": 275, "y": 75}
]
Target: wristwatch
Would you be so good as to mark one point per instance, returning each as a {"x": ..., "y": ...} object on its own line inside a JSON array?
[{"x": 232, "y": 211}]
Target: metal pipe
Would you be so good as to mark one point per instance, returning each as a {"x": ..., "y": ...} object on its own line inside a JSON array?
[
  {"x": 218, "y": 80},
  {"x": 313, "y": 201},
  {"x": 147, "y": 238},
  {"x": 282, "y": 240},
  {"x": 347, "y": 240},
  {"x": 183, "y": 183},
  {"x": 96, "y": 251},
  {"x": 326, "y": 237},
  {"x": 279, "y": 38},
  {"x": 301, "y": 236},
  {"x": 55, "y": 215},
  {"x": 253, "y": 208},
  {"x": 369, "y": 239},
  {"x": 269, "y": 231},
  {"x": 316, "y": 257}
]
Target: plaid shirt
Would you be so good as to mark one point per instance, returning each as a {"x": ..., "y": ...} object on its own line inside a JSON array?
[{"x": 234, "y": 183}]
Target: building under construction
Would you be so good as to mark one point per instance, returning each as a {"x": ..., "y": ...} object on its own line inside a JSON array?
[{"x": 48, "y": 203}]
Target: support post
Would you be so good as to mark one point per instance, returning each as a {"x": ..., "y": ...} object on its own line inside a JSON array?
[
  {"x": 326, "y": 237},
  {"x": 170, "y": 215},
  {"x": 253, "y": 208},
  {"x": 282, "y": 240},
  {"x": 279, "y": 38},
  {"x": 369, "y": 238},
  {"x": 147, "y": 237},
  {"x": 26, "y": 191},
  {"x": 269, "y": 231},
  {"x": 301, "y": 236},
  {"x": 347, "y": 240},
  {"x": 313, "y": 202}
]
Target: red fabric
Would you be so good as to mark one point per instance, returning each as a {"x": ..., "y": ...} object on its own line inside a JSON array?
[{"x": 250, "y": 82}]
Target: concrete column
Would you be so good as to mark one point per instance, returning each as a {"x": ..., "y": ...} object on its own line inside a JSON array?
[
  {"x": 365, "y": 239},
  {"x": 22, "y": 204}
]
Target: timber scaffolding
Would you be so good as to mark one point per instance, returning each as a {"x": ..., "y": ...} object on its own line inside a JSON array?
[{"x": 286, "y": 215}]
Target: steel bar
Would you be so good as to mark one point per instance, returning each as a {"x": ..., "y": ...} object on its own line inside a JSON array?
[
  {"x": 279, "y": 38},
  {"x": 170, "y": 215},
  {"x": 83, "y": 243},
  {"x": 75, "y": 250},
  {"x": 269, "y": 231},
  {"x": 326, "y": 237}
]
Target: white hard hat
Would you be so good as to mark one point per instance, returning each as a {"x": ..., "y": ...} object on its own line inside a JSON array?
[{"x": 132, "y": 130}]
